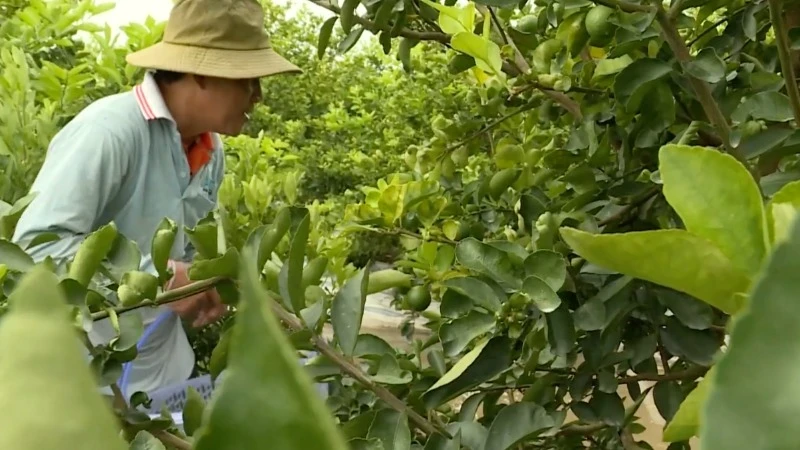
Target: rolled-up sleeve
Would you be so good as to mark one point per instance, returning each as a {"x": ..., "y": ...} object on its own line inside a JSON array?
[{"x": 83, "y": 171}]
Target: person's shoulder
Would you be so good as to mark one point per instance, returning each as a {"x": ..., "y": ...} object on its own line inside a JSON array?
[
  {"x": 117, "y": 113},
  {"x": 115, "y": 120}
]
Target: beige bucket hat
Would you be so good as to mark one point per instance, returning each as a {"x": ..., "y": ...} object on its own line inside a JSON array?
[{"x": 217, "y": 38}]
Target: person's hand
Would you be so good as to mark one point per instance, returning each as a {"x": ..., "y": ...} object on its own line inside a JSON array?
[{"x": 200, "y": 309}]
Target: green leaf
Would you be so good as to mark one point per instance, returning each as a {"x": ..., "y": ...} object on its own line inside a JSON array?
[
  {"x": 204, "y": 237},
  {"x": 671, "y": 258},
  {"x": 667, "y": 397},
  {"x": 35, "y": 336},
  {"x": 698, "y": 178},
  {"x": 91, "y": 253},
  {"x": 266, "y": 396},
  {"x": 192, "y": 411},
  {"x": 350, "y": 40},
  {"x": 549, "y": 266},
  {"x": 691, "y": 312},
  {"x": 782, "y": 210},
  {"x": 10, "y": 218},
  {"x": 347, "y": 311},
  {"x": 685, "y": 424},
  {"x": 481, "y": 293},
  {"x": 487, "y": 360},
  {"x": 348, "y": 13},
  {"x": 635, "y": 80},
  {"x": 124, "y": 256},
  {"x": 390, "y": 427},
  {"x": 610, "y": 66},
  {"x": 498, "y": 3},
  {"x": 486, "y": 53},
  {"x": 325, "y": 36},
  {"x": 457, "y": 334},
  {"x": 226, "y": 266},
  {"x": 699, "y": 347},
  {"x": 489, "y": 261},
  {"x": 541, "y": 293},
  {"x": 14, "y": 257},
  {"x": 273, "y": 236},
  {"x": 291, "y": 276},
  {"x": 768, "y": 105},
  {"x": 161, "y": 248},
  {"x": 146, "y": 441},
  {"x": 389, "y": 372},
  {"x": 561, "y": 330},
  {"x": 754, "y": 401},
  {"x": 516, "y": 423},
  {"x": 706, "y": 66}
]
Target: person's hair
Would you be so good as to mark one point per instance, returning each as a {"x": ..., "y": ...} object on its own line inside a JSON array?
[{"x": 166, "y": 76}]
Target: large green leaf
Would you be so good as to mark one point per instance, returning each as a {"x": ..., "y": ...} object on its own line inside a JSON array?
[
  {"x": 485, "y": 361},
  {"x": 14, "y": 257},
  {"x": 456, "y": 335},
  {"x": 391, "y": 428},
  {"x": 481, "y": 293},
  {"x": 686, "y": 422},
  {"x": 347, "y": 310},
  {"x": 754, "y": 399},
  {"x": 38, "y": 344},
  {"x": 489, "y": 261},
  {"x": 636, "y": 79},
  {"x": 266, "y": 398},
  {"x": 671, "y": 258},
  {"x": 92, "y": 251},
  {"x": 516, "y": 423},
  {"x": 717, "y": 199},
  {"x": 291, "y": 275},
  {"x": 782, "y": 210}
]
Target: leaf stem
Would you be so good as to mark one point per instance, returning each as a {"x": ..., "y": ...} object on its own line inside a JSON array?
[
  {"x": 166, "y": 297},
  {"x": 170, "y": 439},
  {"x": 354, "y": 371},
  {"x": 782, "y": 41}
]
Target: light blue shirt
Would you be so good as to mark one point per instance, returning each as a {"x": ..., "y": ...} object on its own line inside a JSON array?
[{"x": 121, "y": 160}]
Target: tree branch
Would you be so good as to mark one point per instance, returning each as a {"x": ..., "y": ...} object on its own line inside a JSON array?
[
  {"x": 782, "y": 41},
  {"x": 624, "y": 6},
  {"x": 701, "y": 88},
  {"x": 684, "y": 375},
  {"x": 354, "y": 371},
  {"x": 373, "y": 27},
  {"x": 167, "y": 297}
]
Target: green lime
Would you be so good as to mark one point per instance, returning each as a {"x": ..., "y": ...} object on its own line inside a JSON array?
[{"x": 418, "y": 298}]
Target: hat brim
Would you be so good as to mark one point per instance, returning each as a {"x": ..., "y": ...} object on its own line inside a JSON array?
[{"x": 234, "y": 64}]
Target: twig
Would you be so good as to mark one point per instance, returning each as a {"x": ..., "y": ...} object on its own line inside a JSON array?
[
  {"x": 167, "y": 297},
  {"x": 676, "y": 8},
  {"x": 355, "y": 372},
  {"x": 619, "y": 215},
  {"x": 782, "y": 41},
  {"x": 688, "y": 374},
  {"x": 164, "y": 436},
  {"x": 499, "y": 26},
  {"x": 170, "y": 439}
]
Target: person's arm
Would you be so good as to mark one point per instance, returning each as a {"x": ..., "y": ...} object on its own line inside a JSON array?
[{"x": 82, "y": 173}]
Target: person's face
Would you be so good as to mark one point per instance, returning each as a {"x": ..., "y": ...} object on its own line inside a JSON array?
[{"x": 225, "y": 102}]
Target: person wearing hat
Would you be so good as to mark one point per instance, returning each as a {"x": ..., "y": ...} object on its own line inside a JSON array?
[{"x": 136, "y": 157}]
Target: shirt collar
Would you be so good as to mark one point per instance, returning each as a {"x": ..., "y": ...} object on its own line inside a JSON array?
[{"x": 150, "y": 101}]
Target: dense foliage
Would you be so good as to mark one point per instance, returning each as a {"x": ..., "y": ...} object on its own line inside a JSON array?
[{"x": 581, "y": 196}]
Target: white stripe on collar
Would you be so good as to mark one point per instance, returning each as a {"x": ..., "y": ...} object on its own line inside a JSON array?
[{"x": 150, "y": 101}]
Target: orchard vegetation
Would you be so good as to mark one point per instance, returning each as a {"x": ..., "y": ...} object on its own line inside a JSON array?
[{"x": 575, "y": 196}]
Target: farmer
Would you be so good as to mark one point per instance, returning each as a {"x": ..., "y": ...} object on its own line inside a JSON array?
[{"x": 134, "y": 158}]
